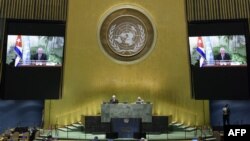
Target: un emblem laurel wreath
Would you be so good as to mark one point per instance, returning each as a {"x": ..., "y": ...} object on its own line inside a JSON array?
[{"x": 116, "y": 46}]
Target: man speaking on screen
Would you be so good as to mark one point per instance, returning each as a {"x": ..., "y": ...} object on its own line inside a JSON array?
[
  {"x": 223, "y": 55},
  {"x": 40, "y": 55}
]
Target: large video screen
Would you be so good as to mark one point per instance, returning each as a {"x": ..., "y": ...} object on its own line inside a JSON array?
[
  {"x": 219, "y": 55},
  {"x": 218, "y": 51},
  {"x": 37, "y": 51},
  {"x": 32, "y": 59}
]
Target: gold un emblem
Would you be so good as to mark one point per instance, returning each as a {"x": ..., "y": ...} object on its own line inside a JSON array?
[{"x": 126, "y": 34}]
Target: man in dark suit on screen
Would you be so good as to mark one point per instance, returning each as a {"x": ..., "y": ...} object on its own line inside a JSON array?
[
  {"x": 223, "y": 55},
  {"x": 40, "y": 55}
]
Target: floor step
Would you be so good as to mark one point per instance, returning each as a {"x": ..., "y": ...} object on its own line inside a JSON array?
[
  {"x": 172, "y": 123},
  {"x": 178, "y": 124},
  {"x": 184, "y": 126},
  {"x": 210, "y": 139},
  {"x": 79, "y": 122},
  {"x": 64, "y": 129},
  {"x": 71, "y": 127},
  {"x": 77, "y": 125},
  {"x": 190, "y": 129}
]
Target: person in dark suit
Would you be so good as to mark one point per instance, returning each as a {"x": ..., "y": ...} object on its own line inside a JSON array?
[
  {"x": 33, "y": 133},
  {"x": 113, "y": 100},
  {"x": 139, "y": 101},
  {"x": 95, "y": 139},
  {"x": 40, "y": 55},
  {"x": 226, "y": 115},
  {"x": 223, "y": 55}
]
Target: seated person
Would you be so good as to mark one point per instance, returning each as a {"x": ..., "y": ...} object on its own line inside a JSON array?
[
  {"x": 113, "y": 100},
  {"x": 139, "y": 101},
  {"x": 40, "y": 55},
  {"x": 95, "y": 139},
  {"x": 33, "y": 133},
  {"x": 222, "y": 55}
]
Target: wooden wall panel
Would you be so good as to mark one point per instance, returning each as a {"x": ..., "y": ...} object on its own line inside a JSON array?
[
  {"x": 34, "y": 9},
  {"x": 217, "y": 9}
]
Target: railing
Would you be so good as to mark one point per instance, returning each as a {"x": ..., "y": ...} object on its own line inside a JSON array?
[{"x": 69, "y": 117}]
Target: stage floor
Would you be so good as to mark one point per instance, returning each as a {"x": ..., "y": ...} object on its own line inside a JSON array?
[{"x": 175, "y": 135}]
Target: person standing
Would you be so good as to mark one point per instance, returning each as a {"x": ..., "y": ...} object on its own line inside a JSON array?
[
  {"x": 113, "y": 100},
  {"x": 226, "y": 115}
]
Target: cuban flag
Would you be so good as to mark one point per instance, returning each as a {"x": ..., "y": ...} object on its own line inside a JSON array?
[
  {"x": 18, "y": 50},
  {"x": 201, "y": 50}
]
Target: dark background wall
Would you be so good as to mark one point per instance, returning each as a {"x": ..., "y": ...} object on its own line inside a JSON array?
[
  {"x": 240, "y": 113},
  {"x": 20, "y": 113}
]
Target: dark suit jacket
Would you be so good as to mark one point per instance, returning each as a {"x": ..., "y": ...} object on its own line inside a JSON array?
[
  {"x": 226, "y": 57},
  {"x": 12, "y": 63},
  {"x": 43, "y": 57},
  {"x": 113, "y": 102}
]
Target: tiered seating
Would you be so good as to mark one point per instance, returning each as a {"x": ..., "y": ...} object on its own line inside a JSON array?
[
  {"x": 21, "y": 134},
  {"x": 189, "y": 129},
  {"x": 14, "y": 136},
  {"x": 25, "y": 136},
  {"x": 176, "y": 126}
]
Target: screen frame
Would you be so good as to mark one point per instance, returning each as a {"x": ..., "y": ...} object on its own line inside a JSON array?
[
  {"x": 2, "y": 31},
  {"x": 196, "y": 28},
  {"x": 33, "y": 28}
]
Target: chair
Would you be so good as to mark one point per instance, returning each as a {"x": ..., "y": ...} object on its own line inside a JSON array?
[
  {"x": 25, "y": 136},
  {"x": 14, "y": 136},
  {"x": 1, "y": 138},
  {"x": 37, "y": 135}
]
